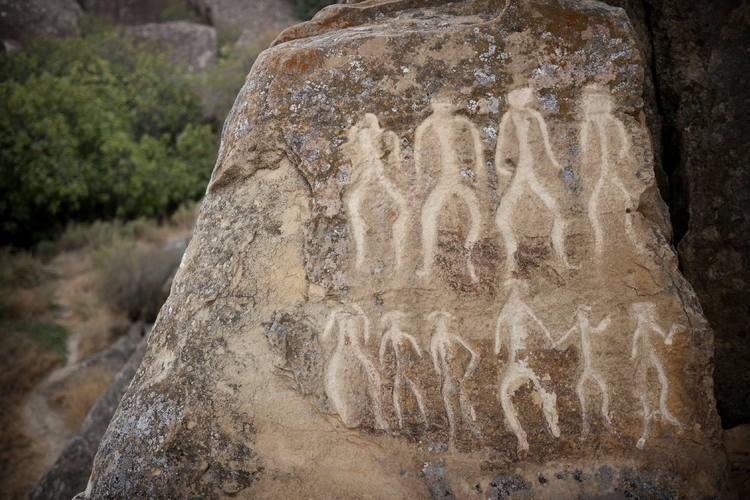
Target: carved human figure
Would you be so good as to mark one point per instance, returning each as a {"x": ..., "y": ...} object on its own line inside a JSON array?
[
  {"x": 371, "y": 149},
  {"x": 601, "y": 128},
  {"x": 400, "y": 342},
  {"x": 443, "y": 348},
  {"x": 524, "y": 180},
  {"x": 585, "y": 330},
  {"x": 512, "y": 331},
  {"x": 350, "y": 376},
  {"x": 645, "y": 357},
  {"x": 444, "y": 133}
]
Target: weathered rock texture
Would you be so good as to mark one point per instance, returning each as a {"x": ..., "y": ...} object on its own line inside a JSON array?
[
  {"x": 184, "y": 43},
  {"x": 432, "y": 260},
  {"x": 258, "y": 20},
  {"x": 70, "y": 473},
  {"x": 26, "y": 19}
]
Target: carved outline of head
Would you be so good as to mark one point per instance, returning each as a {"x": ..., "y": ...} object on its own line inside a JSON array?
[
  {"x": 521, "y": 98},
  {"x": 440, "y": 317},
  {"x": 642, "y": 308},
  {"x": 597, "y": 99},
  {"x": 583, "y": 309},
  {"x": 392, "y": 318},
  {"x": 517, "y": 285},
  {"x": 442, "y": 106}
]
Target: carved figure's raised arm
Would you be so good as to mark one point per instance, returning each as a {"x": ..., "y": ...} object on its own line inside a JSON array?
[
  {"x": 672, "y": 331},
  {"x": 565, "y": 335},
  {"x": 603, "y": 325},
  {"x": 474, "y": 357},
  {"x": 502, "y": 321},
  {"x": 394, "y": 145},
  {"x": 330, "y": 324},
  {"x": 419, "y": 137},
  {"x": 636, "y": 337},
  {"x": 435, "y": 354},
  {"x": 500, "y": 147},
  {"x": 545, "y": 138},
  {"x": 365, "y": 321},
  {"x": 538, "y": 322},
  {"x": 383, "y": 347}
]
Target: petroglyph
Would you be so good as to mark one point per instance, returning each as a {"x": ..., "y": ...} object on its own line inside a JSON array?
[
  {"x": 350, "y": 376},
  {"x": 371, "y": 149},
  {"x": 518, "y": 120},
  {"x": 511, "y": 331},
  {"x": 645, "y": 357},
  {"x": 399, "y": 341},
  {"x": 443, "y": 346},
  {"x": 584, "y": 329},
  {"x": 614, "y": 146},
  {"x": 442, "y": 133}
]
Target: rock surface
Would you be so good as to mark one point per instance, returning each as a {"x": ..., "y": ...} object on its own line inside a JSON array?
[
  {"x": 259, "y": 21},
  {"x": 184, "y": 43},
  {"x": 432, "y": 260},
  {"x": 26, "y": 19},
  {"x": 70, "y": 473}
]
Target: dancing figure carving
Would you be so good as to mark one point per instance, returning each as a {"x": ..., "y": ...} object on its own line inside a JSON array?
[
  {"x": 614, "y": 146},
  {"x": 443, "y": 346},
  {"x": 511, "y": 331},
  {"x": 399, "y": 342},
  {"x": 519, "y": 119},
  {"x": 371, "y": 149},
  {"x": 583, "y": 327},
  {"x": 350, "y": 376},
  {"x": 442, "y": 133},
  {"x": 645, "y": 357}
]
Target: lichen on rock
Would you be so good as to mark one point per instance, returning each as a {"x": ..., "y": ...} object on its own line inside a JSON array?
[{"x": 431, "y": 260}]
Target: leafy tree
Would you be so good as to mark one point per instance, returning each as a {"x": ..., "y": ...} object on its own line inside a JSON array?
[{"x": 95, "y": 128}]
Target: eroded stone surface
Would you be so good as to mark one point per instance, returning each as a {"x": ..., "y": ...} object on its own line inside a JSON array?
[{"x": 431, "y": 261}]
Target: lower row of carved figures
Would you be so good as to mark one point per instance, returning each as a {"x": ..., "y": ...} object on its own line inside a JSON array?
[
  {"x": 372, "y": 149},
  {"x": 511, "y": 332}
]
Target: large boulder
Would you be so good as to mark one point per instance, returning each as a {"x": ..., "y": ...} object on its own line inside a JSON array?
[
  {"x": 184, "y": 43},
  {"x": 258, "y": 21},
  {"x": 432, "y": 260},
  {"x": 26, "y": 19},
  {"x": 70, "y": 472}
]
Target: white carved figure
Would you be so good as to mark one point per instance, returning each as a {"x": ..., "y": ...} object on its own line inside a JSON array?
[
  {"x": 512, "y": 331},
  {"x": 519, "y": 119},
  {"x": 445, "y": 131},
  {"x": 601, "y": 127},
  {"x": 400, "y": 341},
  {"x": 350, "y": 376},
  {"x": 371, "y": 149},
  {"x": 645, "y": 357},
  {"x": 443, "y": 346},
  {"x": 585, "y": 330}
]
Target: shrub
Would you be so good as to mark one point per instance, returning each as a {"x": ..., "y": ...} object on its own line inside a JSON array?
[
  {"x": 306, "y": 9},
  {"x": 95, "y": 128},
  {"x": 135, "y": 280}
]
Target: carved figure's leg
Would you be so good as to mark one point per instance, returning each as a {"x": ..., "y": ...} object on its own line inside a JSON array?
[
  {"x": 470, "y": 199},
  {"x": 430, "y": 214}
]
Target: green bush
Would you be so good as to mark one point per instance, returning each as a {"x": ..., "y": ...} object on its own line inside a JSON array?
[
  {"x": 95, "y": 128},
  {"x": 135, "y": 280},
  {"x": 49, "y": 335},
  {"x": 306, "y": 9}
]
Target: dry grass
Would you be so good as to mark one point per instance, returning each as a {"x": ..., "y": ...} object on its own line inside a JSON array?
[{"x": 24, "y": 364}]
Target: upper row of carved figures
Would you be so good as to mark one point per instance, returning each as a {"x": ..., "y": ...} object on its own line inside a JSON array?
[
  {"x": 515, "y": 323},
  {"x": 443, "y": 142}
]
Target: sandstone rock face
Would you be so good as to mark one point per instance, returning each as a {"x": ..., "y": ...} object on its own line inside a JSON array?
[
  {"x": 189, "y": 44},
  {"x": 26, "y": 19},
  {"x": 431, "y": 261}
]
